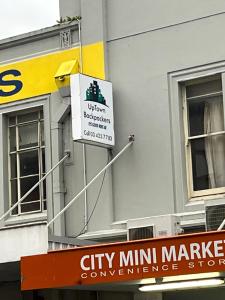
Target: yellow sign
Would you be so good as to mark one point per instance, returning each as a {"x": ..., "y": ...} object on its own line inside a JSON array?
[{"x": 36, "y": 76}]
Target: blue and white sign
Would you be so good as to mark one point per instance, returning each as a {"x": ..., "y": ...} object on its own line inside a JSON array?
[{"x": 92, "y": 110}]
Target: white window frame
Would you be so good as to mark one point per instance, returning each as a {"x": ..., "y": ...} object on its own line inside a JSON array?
[
  {"x": 183, "y": 199},
  {"x": 39, "y": 148},
  {"x": 5, "y": 110},
  {"x": 205, "y": 192}
]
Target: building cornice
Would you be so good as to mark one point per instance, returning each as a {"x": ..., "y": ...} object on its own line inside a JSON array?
[{"x": 36, "y": 35}]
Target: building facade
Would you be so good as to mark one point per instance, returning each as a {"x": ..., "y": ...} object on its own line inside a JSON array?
[{"x": 166, "y": 63}]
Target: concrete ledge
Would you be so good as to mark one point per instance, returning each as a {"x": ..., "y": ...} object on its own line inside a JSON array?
[{"x": 23, "y": 240}]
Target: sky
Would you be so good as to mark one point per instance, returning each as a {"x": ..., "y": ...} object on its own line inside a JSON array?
[{"x": 21, "y": 16}]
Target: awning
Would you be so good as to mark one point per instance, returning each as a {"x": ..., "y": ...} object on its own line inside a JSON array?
[{"x": 126, "y": 261}]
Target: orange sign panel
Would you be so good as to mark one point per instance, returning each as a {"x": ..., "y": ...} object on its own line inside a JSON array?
[{"x": 134, "y": 260}]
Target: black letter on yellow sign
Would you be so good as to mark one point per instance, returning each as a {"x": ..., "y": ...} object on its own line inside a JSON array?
[{"x": 16, "y": 83}]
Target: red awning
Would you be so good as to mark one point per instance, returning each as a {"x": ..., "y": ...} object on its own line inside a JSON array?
[{"x": 126, "y": 261}]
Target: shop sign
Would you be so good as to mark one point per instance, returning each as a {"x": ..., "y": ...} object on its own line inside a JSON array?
[
  {"x": 35, "y": 76},
  {"x": 92, "y": 110},
  {"x": 134, "y": 260}
]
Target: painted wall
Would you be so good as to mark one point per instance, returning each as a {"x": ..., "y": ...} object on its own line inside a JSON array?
[
  {"x": 141, "y": 53},
  {"x": 140, "y": 45}
]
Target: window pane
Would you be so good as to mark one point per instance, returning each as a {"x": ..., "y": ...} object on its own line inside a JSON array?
[
  {"x": 206, "y": 116},
  {"x": 196, "y": 118},
  {"x": 28, "y": 207},
  {"x": 26, "y": 184},
  {"x": 13, "y": 166},
  {"x": 208, "y": 162},
  {"x": 44, "y": 189},
  {"x": 15, "y": 211},
  {"x": 14, "y": 196},
  {"x": 14, "y": 191},
  {"x": 203, "y": 88},
  {"x": 29, "y": 163},
  {"x": 42, "y": 134},
  {"x": 12, "y": 121},
  {"x": 12, "y": 138},
  {"x": 199, "y": 165},
  {"x": 27, "y": 117},
  {"x": 41, "y": 115},
  {"x": 43, "y": 161},
  {"x": 28, "y": 136}
]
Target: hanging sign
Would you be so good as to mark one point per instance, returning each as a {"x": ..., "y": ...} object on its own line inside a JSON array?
[
  {"x": 92, "y": 110},
  {"x": 126, "y": 261}
]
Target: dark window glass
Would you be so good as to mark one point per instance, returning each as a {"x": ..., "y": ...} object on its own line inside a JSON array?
[
  {"x": 26, "y": 184},
  {"x": 29, "y": 164},
  {"x": 28, "y": 136}
]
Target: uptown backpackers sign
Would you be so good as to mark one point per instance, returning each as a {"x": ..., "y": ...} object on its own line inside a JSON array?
[
  {"x": 186, "y": 254},
  {"x": 92, "y": 110}
]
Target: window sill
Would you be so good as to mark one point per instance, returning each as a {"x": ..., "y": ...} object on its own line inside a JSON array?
[
  {"x": 29, "y": 218},
  {"x": 200, "y": 199}
]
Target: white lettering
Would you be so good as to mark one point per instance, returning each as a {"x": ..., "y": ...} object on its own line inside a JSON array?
[
  {"x": 174, "y": 267},
  {"x": 110, "y": 258},
  {"x": 112, "y": 272},
  {"x": 155, "y": 268},
  {"x": 92, "y": 262},
  {"x": 182, "y": 253},
  {"x": 205, "y": 249},
  {"x": 154, "y": 260},
  {"x": 83, "y": 267},
  {"x": 200, "y": 263},
  {"x": 136, "y": 257},
  {"x": 145, "y": 257},
  {"x": 211, "y": 263},
  {"x": 93, "y": 274},
  {"x": 99, "y": 257},
  {"x": 168, "y": 255},
  {"x": 126, "y": 260},
  {"x": 221, "y": 261},
  {"x": 121, "y": 272},
  {"x": 145, "y": 270},
  {"x": 218, "y": 248},
  {"x": 130, "y": 271},
  {"x": 84, "y": 275},
  {"x": 194, "y": 249},
  {"x": 165, "y": 267}
]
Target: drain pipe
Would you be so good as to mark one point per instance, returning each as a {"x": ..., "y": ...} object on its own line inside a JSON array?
[{"x": 83, "y": 146}]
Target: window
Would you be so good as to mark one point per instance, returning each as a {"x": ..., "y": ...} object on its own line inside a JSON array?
[
  {"x": 26, "y": 161},
  {"x": 204, "y": 136}
]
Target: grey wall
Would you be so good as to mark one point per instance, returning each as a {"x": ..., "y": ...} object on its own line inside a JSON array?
[
  {"x": 69, "y": 8},
  {"x": 145, "y": 42},
  {"x": 132, "y": 16}
]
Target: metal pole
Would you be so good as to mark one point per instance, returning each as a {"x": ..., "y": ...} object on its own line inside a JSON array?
[
  {"x": 83, "y": 146},
  {"x": 34, "y": 187},
  {"x": 221, "y": 225},
  {"x": 131, "y": 140}
]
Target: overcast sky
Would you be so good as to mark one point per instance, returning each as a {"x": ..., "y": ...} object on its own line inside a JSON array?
[{"x": 20, "y": 16}]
